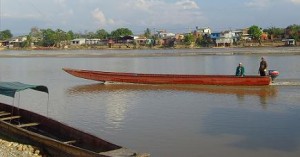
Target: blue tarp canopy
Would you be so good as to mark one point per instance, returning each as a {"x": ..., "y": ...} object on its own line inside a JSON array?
[{"x": 10, "y": 88}]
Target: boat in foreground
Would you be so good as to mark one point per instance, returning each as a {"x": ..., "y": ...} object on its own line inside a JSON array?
[
  {"x": 52, "y": 137},
  {"x": 170, "y": 78}
]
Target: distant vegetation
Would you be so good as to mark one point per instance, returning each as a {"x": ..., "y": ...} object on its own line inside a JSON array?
[
  {"x": 6, "y": 34},
  {"x": 54, "y": 38}
]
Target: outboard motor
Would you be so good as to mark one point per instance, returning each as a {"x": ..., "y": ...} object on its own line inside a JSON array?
[{"x": 273, "y": 74}]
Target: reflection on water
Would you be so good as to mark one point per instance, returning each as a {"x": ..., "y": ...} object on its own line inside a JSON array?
[
  {"x": 116, "y": 108},
  {"x": 263, "y": 92},
  {"x": 115, "y": 105},
  {"x": 117, "y": 101}
]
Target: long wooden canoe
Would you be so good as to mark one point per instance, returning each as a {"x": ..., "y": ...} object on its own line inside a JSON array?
[
  {"x": 170, "y": 78},
  {"x": 53, "y": 137}
]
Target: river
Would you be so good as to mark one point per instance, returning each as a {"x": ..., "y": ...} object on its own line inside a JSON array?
[{"x": 168, "y": 120}]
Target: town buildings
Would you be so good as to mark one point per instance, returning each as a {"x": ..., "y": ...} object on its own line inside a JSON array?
[{"x": 202, "y": 36}]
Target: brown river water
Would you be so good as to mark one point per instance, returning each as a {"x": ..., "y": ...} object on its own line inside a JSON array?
[{"x": 168, "y": 120}]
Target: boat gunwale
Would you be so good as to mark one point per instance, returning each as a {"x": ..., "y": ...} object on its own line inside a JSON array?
[
  {"x": 161, "y": 75},
  {"x": 54, "y": 143},
  {"x": 140, "y": 78}
]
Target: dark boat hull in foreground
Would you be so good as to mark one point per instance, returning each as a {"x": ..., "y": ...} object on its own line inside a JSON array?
[
  {"x": 170, "y": 78},
  {"x": 54, "y": 138}
]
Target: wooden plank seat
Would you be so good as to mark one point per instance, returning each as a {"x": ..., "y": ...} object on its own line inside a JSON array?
[
  {"x": 4, "y": 114},
  {"x": 70, "y": 142},
  {"x": 123, "y": 152},
  {"x": 27, "y": 125},
  {"x": 10, "y": 118}
]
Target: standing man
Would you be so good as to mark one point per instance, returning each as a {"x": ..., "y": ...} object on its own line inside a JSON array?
[
  {"x": 240, "y": 70},
  {"x": 263, "y": 67}
]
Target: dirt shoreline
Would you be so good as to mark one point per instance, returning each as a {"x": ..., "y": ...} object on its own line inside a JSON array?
[{"x": 8, "y": 148}]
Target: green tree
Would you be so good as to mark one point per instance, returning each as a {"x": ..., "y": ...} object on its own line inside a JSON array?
[
  {"x": 121, "y": 32},
  {"x": 293, "y": 31},
  {"x": 36, "y": 33},
  {"x": 274, "y": 32},
  {"x": 6, "y": 34},
  {"x": 90, "y": 35},
  {"x": 147, "y": 33},
  {"x": 189, "y": 39},
  {"x": 102, "y": 34},
  {"x": 78, "y": 35},
  {"x": 255, "y": 32},
  {"x": 49, "y": 37},
  {"x": 59, "y": 37},
  {"x": 27, "y": 42},
  {"x": 70, "y": 35},
  {"x": 203, "y": 41},
  {"x": 199, "y": 41}
]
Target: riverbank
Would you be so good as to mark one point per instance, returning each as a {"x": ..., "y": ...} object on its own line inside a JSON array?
[
  {"x": 131, "y": 46},
  {"x": 150, "y": 52}
]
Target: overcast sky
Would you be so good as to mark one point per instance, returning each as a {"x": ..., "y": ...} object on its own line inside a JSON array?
[{"x": 20, "y": 16}]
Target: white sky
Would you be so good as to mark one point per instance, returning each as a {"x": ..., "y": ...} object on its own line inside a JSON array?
[{"x": 20, "y": 16}]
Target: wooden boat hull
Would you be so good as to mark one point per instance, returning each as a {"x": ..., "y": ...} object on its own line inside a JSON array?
[
  {"x": 54, "y": 137},
  {"x": 170, "y": 78}
]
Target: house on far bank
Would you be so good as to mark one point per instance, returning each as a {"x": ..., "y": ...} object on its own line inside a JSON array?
[
  {"x": 214, "y": 36},
  {"x": 225, "y": 39},
  {"x": 14, "y": 42},
  {"x": 126, "y": 39},
  {"x": 230, "y": 37},
  {"x": 83, "y": 41},
  {"x": 141, "y": 40},
  {"x": 289, "y": 42},
  {"x": 203, "y": 31},
  {"x": 79, "y": 41},
  {"x": 165, "y": 38},
  {"x": 244, "y": 35},
  {"x": 93, "y": 41},
  {"x": 164, "y": 35}
]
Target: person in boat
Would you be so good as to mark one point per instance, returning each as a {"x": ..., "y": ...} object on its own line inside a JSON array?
[
  {"x": 240, "y": 70},
  {"x": 263, "y": 67}
]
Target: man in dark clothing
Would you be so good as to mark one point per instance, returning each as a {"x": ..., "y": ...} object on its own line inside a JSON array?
[
  {"x": 240, "y": 70},
  {"x": 263, "y": 67}
]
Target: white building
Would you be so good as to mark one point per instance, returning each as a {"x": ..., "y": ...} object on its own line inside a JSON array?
[
  {"x": 79, "y": 41},
  {"x": 203, "y": 31},
  {"x": 226, "y": 38}
]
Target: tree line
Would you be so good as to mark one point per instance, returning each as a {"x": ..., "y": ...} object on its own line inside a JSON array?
[
  {"x": 52, "y": 38},
  {"x": 292, "y": 32}
]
